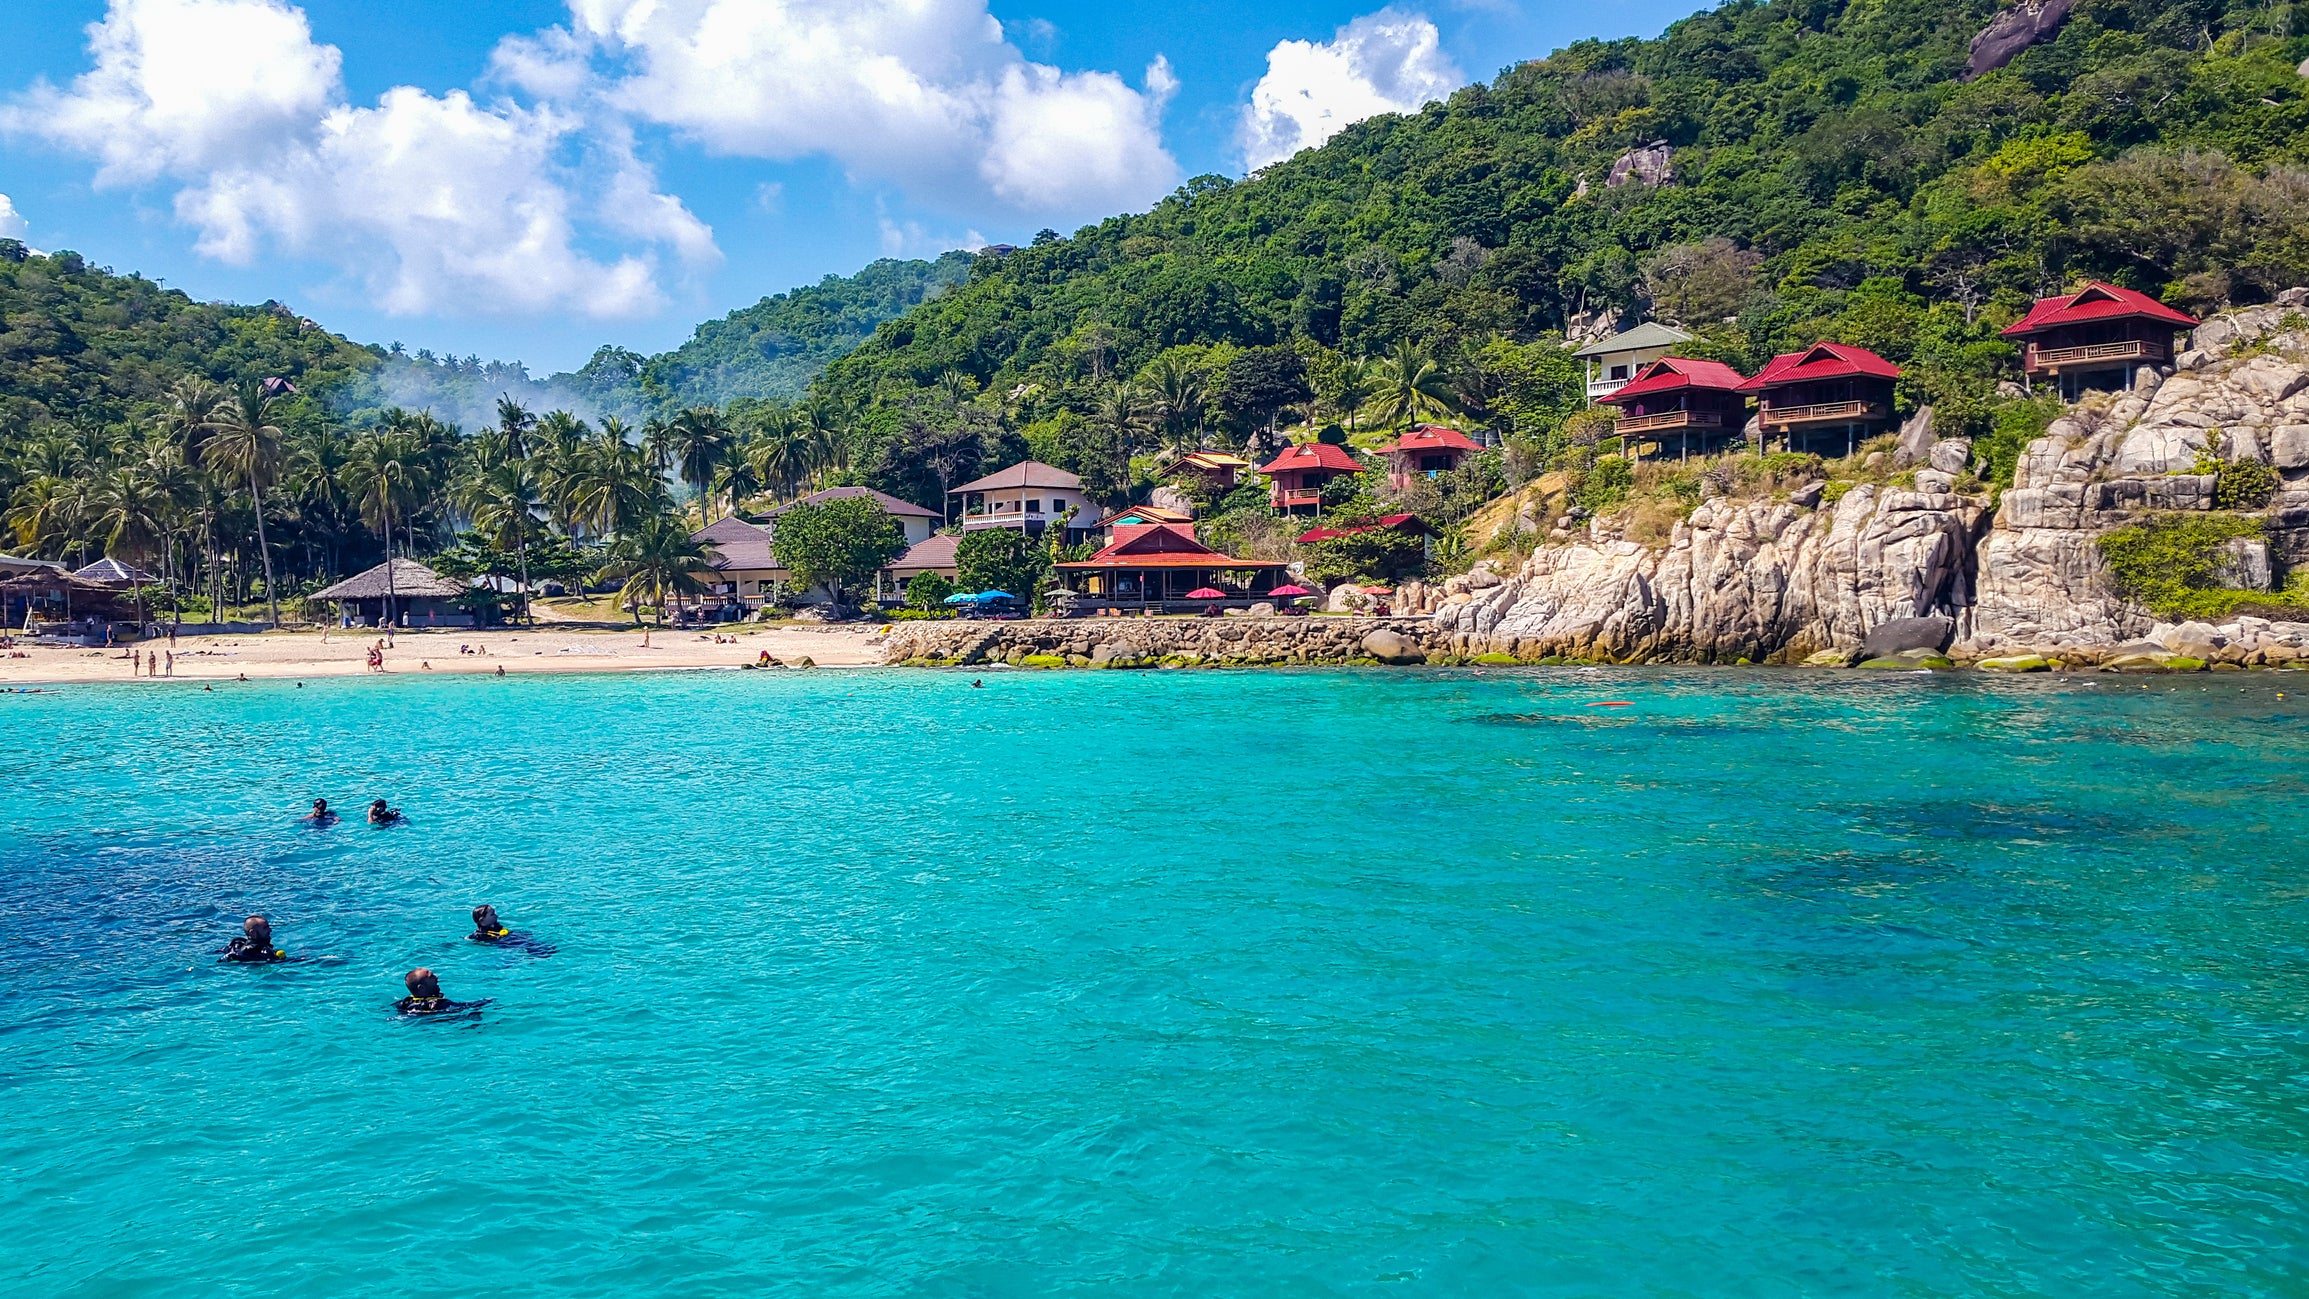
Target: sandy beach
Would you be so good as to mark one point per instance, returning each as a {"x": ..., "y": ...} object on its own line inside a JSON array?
[{"x": 287, "y": 655}]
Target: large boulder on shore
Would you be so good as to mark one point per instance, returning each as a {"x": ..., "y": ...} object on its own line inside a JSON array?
[
  {"x": 1392, "y": 647},
  {"x": 1887, "y": 639}
]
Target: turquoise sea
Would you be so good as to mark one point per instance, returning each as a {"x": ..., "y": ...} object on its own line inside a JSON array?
[{"x": 1196, "y": 984}]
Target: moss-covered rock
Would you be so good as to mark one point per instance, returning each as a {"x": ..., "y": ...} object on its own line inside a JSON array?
[
  {"x": 1496, "y": 660},
  {"x": 2016, "y": 663}
]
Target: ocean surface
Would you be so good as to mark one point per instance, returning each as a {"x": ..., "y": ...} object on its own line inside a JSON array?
[{"x": 1198, "y": 984}]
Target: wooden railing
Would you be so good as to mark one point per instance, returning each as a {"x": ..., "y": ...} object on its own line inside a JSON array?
[
  {"x": 2053, "y": 358},
  {"x": 1285, "y": 498},
  {"x": 1668, "y": 420},
  {"x": 1820, "y": 412}
]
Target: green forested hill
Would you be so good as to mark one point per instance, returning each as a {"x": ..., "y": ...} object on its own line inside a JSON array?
[
  {"x": 81, "y": 344},
  {"x": 772, "y": 349},
  {"x": 1833, "y": 175}
]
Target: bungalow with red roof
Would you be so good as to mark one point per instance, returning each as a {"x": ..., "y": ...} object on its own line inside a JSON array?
[
  {"x": 1828, "y": 388},
  {"x": 1218, "y": 470},
  {"x": 1299, "y": 473},
  {"x": 1150, "y": 567},
  {"x": 1424, "y": 452},
  {"x": 2096, "y": 338},
  {"x": 1128, "y": 515},
  {"x": 1681, "y": 396}
]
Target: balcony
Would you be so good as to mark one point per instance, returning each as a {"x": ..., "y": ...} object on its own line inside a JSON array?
[
  {"x": 1668, "y": 421},
  {"x": 1011, "y": 519},
  {"x": 1292, "y": 498},
  {"x": 1598, "y": 389},
  {"x": 2051, "y": 360},
  {"x": 1825, "y": 412}
]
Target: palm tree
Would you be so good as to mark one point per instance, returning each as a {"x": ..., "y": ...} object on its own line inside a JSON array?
[
  {"x": 780, "y": 455},
  {"x": 1358, "y": 380},
  {"x": 386, "y": 475},
  {"x": 737, "y": 480},
  {"x": 505, "y": 505},
  {"x": 1122, "y": 412},
  {"x": 1177, "y": 396},
  {"x": 314, "y": 483},
  {"x": 698, "y": 441},
  {"x": 1412, "y": 387},
  {"x": 518, "y": 426},
  {"x": 655, "y": 560},
  {"x": 610, "y": 484},
  {"x": 248, "y": 444}
]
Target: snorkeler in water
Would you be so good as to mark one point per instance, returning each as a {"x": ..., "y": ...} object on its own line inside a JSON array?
[
  {"x": 321, "y": 814},
  {"x": 425, "y": 996},
  {"x": 486, "y": 927},
  {"x": 255, "y": 945},
  {"x": 380, "y": 814}
]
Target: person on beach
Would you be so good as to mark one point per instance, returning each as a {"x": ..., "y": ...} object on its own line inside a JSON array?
[
  {"x": 321, "y": 815},
  {"x": 425, "y": 996},
  {"x": 255, "y": 945},
  {"x": 172, "y": 658},
  {"x": 380, "y": 814}
]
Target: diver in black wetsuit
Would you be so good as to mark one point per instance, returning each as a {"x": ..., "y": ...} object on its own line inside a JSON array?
[
  {"x": 381, "y": 814},
  {"x": 321, "y": 813},
  {"x": 425, "y": 996},
  {"x": 486, "y": 928},
  {"x": 255, "y": 945}
]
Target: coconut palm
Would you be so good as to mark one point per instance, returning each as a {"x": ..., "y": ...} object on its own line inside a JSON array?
[
  {"x": 736, "y": 481},
  {"x": 698, "y": 442},
  {"x": 1411, "y": 387},
  {"x": 780, "y": 454},
  {"x": 518, "y": 426},
  {"x": 247, "y": 444},
  {"x": 1122, "y": 413},
  {"x": 507, "y": 510},
  {"x": 654, "y": 561},
  {"x": 386, "y": 476},
  {"x": 1177, "y": 398},
  {"x": 611, "y": 484},
  {"x": 1357, "y": 381}
]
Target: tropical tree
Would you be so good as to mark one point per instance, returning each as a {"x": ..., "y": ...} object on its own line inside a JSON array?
[
  {"x": 1177, "y": 398},
  {"x": 1411, "y": 386},
  {"x": 518, "y": 426},
  {"x": 387, "y": 478},
  {"x": 654, "y": 561},
  {"x": 698, "y": 441},
  {"x": 507, "y": 511},
  {"x": 836, "y": 544},
  {"x": 247, "y": 444}
]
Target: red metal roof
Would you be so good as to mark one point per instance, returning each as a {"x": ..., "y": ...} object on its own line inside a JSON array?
[
  {"x": 1313, "y": 455},
  {"x": 1821, "y": 361},
  {"x": 1390, "y": 521},
  {"x": 1164, "y": 546},
  {"x": 1672, "y": 373},
  {"x": 1432, "y": 437},
  {"x": 2097, "y": 301}
]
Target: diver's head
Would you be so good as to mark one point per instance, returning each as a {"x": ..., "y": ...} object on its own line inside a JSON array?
[
  {"x": 422, "y": 983},
  {"x": 320, "y": 807},
  {"x": 485, "y": 917},
  {"x": 377, "y": 806},
  {"x": 259, "y": 930}
]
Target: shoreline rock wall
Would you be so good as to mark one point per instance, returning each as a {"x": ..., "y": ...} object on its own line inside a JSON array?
[{"x": 1148, "y": 642}]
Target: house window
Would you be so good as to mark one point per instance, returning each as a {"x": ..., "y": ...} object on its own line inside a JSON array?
[
  {"x": 1034, "y": 507},
  {"x": 1619, "y": 372}
]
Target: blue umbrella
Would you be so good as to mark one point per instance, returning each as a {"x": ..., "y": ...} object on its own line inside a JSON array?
[
  {"x": 995, "y": 595},
  {"x": 961, "y": 597}
]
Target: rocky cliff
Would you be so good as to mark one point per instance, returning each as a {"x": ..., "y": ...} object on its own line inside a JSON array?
[{"x": 1783, "y": 580}]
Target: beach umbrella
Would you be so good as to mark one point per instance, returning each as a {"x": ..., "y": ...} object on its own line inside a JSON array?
[
  {"x": 1293, "y": 589},
  {"x": 961, "y": 597},
  {"x": 995, "y": 595},
  {"x": 1206, "y": 593}
]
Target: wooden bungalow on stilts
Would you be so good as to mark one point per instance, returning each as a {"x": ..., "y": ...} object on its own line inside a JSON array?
[
  {"x": 1695, "y": 401},
  {"x": 1826, "y": 390}
]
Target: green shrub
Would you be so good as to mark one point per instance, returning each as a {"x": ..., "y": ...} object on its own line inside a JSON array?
[
  {"x": 2169, "y": 565},
  {"x": 2244, "y": 485},
  {"x": 2013, "y": 427},
  {"x": 927, "y": 592},
  {"x": 1606, "y": 486}
]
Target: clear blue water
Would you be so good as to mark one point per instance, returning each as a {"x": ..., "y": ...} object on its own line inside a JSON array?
[{"x": 1205, "y": 984}]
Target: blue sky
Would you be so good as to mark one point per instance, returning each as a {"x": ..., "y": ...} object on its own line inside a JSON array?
[{"x": 527, "y": 180}]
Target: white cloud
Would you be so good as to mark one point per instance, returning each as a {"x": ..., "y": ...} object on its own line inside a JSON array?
[
  {"x": 12, "y": 224},
  {"x": 924, "y": 93},
  {"x": 1385, "y": 62},
  {"x": 435, "y": 203}
]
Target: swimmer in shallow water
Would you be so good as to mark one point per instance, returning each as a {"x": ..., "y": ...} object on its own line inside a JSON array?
[
  {"x": 255, "y": 945},
  {"x": 425, "y": 996},
  {"x": 486, "y": 926},
  {"x": 321, "y": 814},
  {"x": 380, "y": 814}
]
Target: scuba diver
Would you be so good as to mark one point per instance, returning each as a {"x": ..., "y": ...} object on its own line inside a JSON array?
[
  {"x": 487, "y": 928},
  {"x": 255, "y": 945},
  {"x": 425, "y": 996},
  {"x": 380, "y": 814},
  {"x": 321, "y": 813}
]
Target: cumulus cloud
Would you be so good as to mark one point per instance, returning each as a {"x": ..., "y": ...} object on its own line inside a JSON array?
[
  {"x": 927, "y": 94},
  {"x": 12, "y": 225},
  {"x": 435, "y": 203},
  {"x": 1385, "y": 62}
]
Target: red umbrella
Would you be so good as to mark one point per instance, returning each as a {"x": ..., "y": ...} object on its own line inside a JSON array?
[
  {"x": 1206, "y": 593},
  {"x": 1293, "y": 589}
]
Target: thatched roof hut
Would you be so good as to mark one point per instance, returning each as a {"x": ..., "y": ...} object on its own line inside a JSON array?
[
  {"x": 402, "y": 591},
  {"x": 409, "y": 579},
  {"x": 60, "y": 595}
]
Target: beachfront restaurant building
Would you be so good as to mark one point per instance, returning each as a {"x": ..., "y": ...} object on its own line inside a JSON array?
[
  {"x": 2098, "y": 338},
  {"x": 401, "y": 592},
  {"x": 1826, "y": 398},
  {"x": 1157, "y": 567},
  {"x": 1680, "y": 401}
]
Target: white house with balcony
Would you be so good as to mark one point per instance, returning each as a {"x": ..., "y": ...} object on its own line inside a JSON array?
[
  {"x": 1027, "y": 497},
  {"x": 1612, "y": 362}
]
